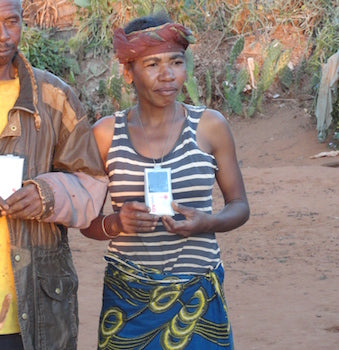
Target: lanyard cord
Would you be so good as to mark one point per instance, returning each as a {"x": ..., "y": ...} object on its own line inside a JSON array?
[{"x": 167, "y": 140}]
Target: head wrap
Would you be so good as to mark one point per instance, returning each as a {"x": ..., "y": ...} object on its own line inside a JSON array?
[{"x": 168, "y": 37}]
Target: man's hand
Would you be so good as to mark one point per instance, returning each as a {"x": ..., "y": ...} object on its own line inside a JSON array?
[
  {"x": 3, "y": 205},
  {"x": 25, "y": 203}
]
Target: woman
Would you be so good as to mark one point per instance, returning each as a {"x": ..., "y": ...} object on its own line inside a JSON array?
[{"x": 163, "y": 283}]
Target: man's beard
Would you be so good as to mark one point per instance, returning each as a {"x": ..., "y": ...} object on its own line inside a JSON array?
[{"x": 7, "y": 53}]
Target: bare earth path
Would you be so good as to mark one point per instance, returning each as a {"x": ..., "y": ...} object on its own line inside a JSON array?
[{"x": 281, "y": 268}]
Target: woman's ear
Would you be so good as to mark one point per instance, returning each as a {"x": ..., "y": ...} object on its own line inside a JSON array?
[{"x": 128, "y": 76}]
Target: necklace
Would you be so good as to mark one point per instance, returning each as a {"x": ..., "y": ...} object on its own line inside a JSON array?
[{"x": 166, "y": 142}]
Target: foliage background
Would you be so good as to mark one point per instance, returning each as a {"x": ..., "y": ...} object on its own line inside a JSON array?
[{"x": 287, "y": 41}]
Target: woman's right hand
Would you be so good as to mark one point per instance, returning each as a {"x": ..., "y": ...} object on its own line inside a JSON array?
[{"x": 136, "y": 217}]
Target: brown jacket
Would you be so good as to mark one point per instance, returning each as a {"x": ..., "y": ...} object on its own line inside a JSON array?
[{"x": 48, "y": 128}]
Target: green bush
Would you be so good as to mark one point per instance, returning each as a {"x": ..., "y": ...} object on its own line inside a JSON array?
[
  {"x": 318, "y": 19},
  {"x": 45, "y": 53}
]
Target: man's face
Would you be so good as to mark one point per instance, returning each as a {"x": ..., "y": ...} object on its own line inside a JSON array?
[{"x": 10, "y": 30}]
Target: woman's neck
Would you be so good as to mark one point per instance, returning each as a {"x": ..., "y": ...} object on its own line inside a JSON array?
[{"x": 155, "y": 116}]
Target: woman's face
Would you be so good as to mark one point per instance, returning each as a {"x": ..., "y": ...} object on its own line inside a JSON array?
[{"x": 158, "y": 78}]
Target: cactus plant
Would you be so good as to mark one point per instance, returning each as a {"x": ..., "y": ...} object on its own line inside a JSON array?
[
  {"x": 114, "y": 82},
  {"x": 274, "y": 63},
  {"x": 121, "y": 93},
  {"x": 234, "y": 84},
  {"x": 191, "y": 83}
]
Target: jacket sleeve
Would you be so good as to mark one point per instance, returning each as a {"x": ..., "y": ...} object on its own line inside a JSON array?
[
  {"x": 73, "y": 200},
  {"x": 74, "y": 188}
]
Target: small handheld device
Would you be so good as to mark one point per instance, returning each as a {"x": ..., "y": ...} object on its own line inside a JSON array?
[{"x": 158, "y": 190}]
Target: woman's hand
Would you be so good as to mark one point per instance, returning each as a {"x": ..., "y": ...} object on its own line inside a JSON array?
[
  {"x": 135, "y": 217},
  {"x": 195, "y": 221}
]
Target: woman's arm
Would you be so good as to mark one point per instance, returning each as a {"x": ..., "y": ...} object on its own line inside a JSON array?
[
  {"x": 103, "y": 131},
  {"x": 133, "y": 216},
  {"x": 236, "y": 210}
]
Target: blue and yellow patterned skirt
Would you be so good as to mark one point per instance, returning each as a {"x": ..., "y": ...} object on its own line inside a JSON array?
[{"x": 145, "y": 309}]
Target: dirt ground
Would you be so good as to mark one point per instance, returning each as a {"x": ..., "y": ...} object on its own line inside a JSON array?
[{"x": 281, "y": 267}]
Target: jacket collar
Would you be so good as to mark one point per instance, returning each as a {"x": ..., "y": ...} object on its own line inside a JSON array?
[{"x": 28, "y": 95}]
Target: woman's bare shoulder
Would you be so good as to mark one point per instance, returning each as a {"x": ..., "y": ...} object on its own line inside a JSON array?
[
  {"x": 215, "y": 117},
  {"x": 214, "y": 123},
  {"x": 214, "y": 130},
  {"x": 104, "y": 124},
  {"x": 103, "y": 131}
]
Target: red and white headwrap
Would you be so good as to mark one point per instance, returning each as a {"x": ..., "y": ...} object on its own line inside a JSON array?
[{"x": 168, "y": 37}]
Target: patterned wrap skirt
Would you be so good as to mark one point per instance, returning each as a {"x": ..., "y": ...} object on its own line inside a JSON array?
[{"x": 145, "y": 309}]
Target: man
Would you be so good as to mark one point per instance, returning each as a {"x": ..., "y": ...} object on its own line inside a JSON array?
[{"x": 64, "y": 184}]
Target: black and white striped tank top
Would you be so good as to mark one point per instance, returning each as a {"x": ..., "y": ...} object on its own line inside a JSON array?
[{"x": 193, "y": 176}]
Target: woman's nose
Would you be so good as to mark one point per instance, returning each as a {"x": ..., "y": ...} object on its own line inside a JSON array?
[{"x": 167, "y": 73}]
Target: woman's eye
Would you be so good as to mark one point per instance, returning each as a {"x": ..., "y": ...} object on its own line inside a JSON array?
[{"x": 178, "y": 62}]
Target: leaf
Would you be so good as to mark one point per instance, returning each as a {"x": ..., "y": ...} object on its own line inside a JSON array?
[
  {"x": 234, "y": 101},
  {"x": 189, "y": 62},
  {"x": 181, "y": 97},
  {"x": 282, "y": 61},
  {"x": 285, "y": 77},
  {"x": 242, "y": 79},
  {"x": 192, "y": 89},
  {"x": 236, "y": 49},
  {"x": 82, "y": 3}
]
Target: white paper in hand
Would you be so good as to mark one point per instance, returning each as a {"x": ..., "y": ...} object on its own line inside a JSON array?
[{"x": 11, "y": 169}]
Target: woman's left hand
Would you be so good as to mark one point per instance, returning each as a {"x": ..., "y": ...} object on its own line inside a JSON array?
[{"x": 195, "y": 221}]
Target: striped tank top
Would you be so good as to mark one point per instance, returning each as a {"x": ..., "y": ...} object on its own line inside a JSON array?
[{"x": 193, "y": 176}]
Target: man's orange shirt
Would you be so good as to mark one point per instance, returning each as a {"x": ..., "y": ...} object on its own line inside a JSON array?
[{"x": 9, "y": 92}]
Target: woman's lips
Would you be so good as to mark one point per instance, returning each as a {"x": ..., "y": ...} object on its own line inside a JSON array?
[{"x": 166, "y": 91}]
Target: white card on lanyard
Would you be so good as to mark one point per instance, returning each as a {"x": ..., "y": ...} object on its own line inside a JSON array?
[{"x": 158, "y": 190}]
